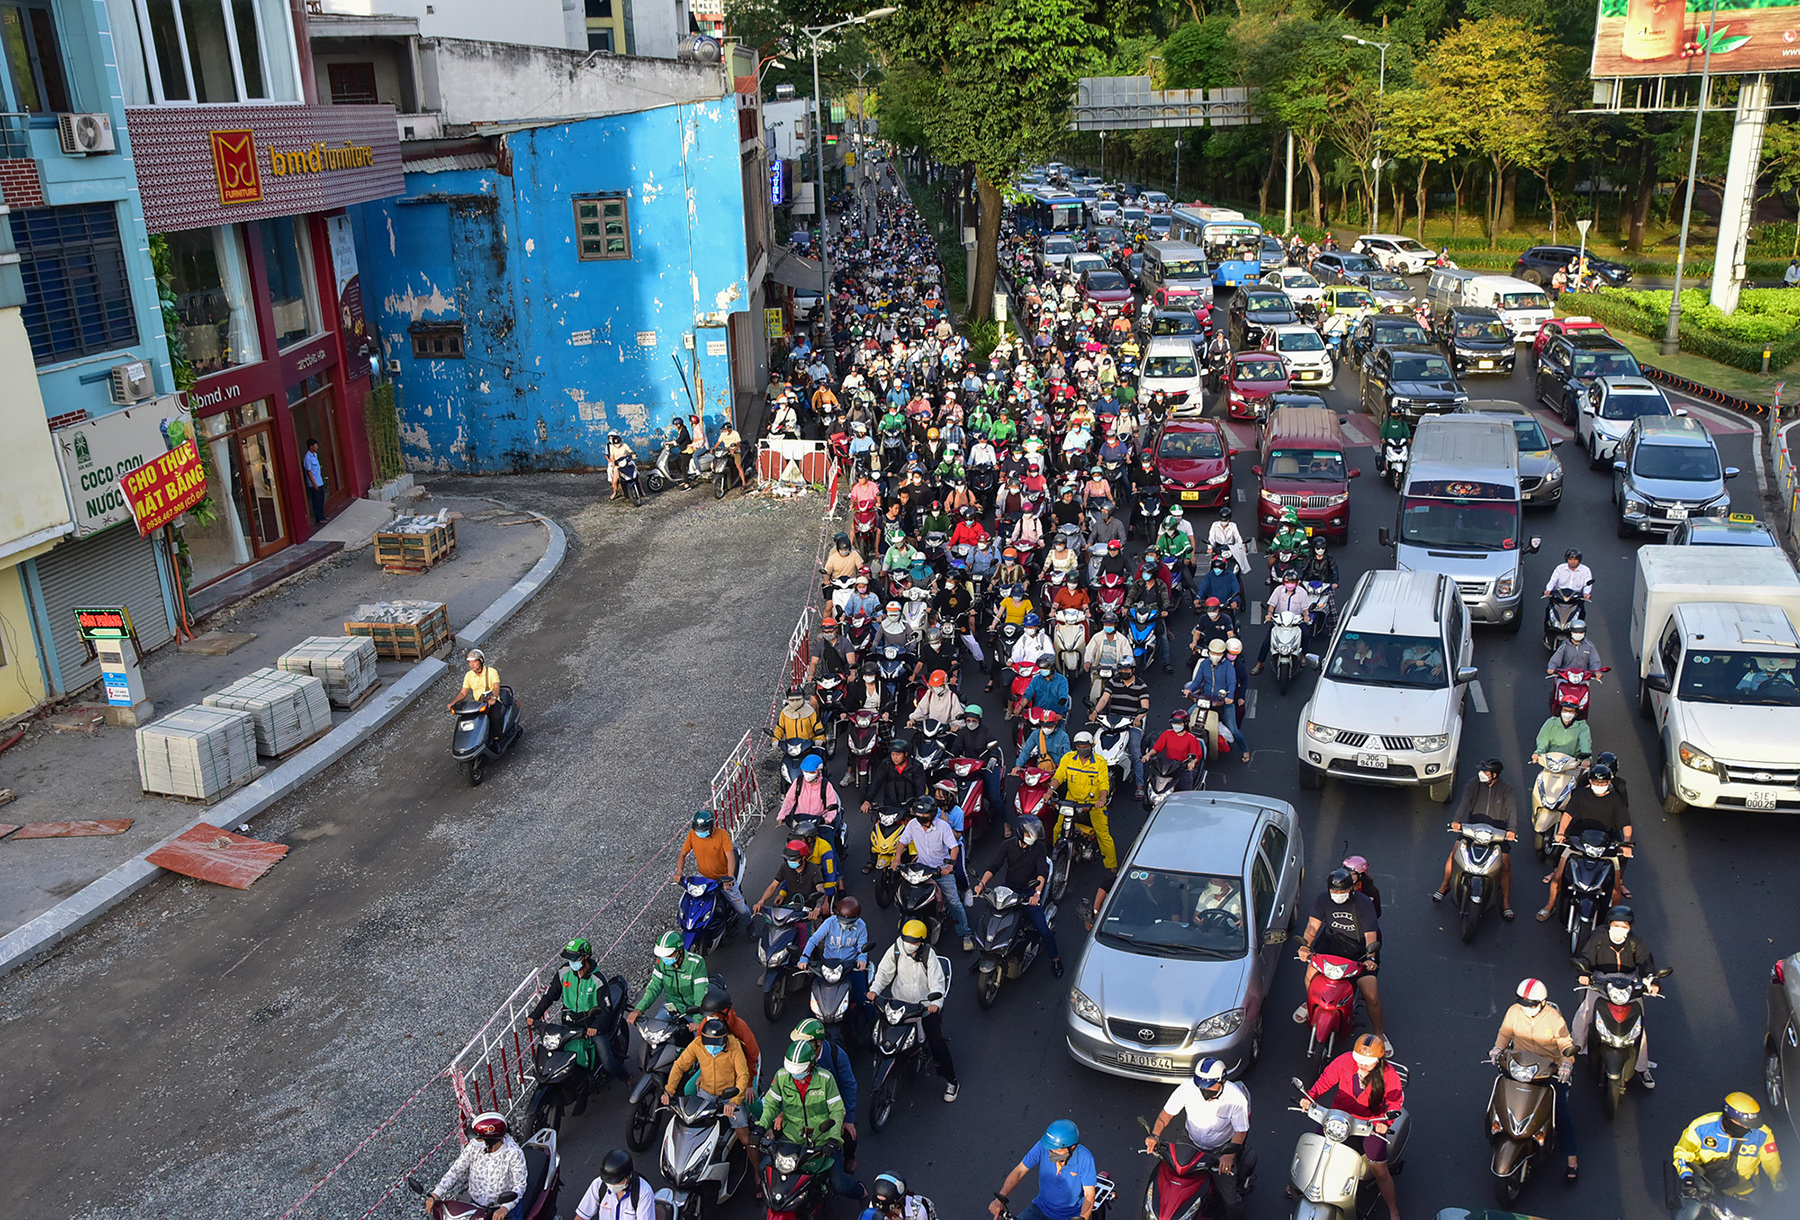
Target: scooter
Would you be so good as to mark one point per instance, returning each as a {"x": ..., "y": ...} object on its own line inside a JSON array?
[
  {"x": 662, "y": 1037},
  {"x": 970, "y": 775},
  {"x": 1206, "y": 721},
  {"x": 567, "y": 1064},
  {"x": 1007, "y": 941},
  {"x": 1474, "y": 870},
  {"x": 1112, "y": 744},
  {"x": 784, "y": 932},
  {"x": 1330, "y": 1008},
  {"x": 829, "y": 696},
  {"x": 1160, "y": 777},
  {"x": 628, "y": 479},
  {"x": 1070, "y": 636},
  {"x": 1394, "y": 453},
  {"x": 1323, "y": 611},
  {"x": 1185, "y": 1183},
  {"x": 713, "y": 466},
  {"x": 1285, "y": 652},
  {"x": 884, "y": 850},
  {"x": 1549, "y": 793},
  {"x": 662, "y": 474},
  {"x": 474, "y": 741},
  {"x": 1028, "y": 801},
  {"x": 1617, "y": 1040},
  {"x": 1565, "y": 606},
  {"x": 1587, "y": 885},
  {"x": 931, "y": 748},
  {"x": 865, "y": 736},
  {"x": 543, "y": 1182},
  {"x": 1572, "y": 687},
  {"x": 706, "y": 918},
  {"x": 831, "y": 999},
  {"x": 900, "y": 1051},
  {"x": 894, "y": 662},
  {"x": 1328, "y": 1175},
  {"x": 700, "y": 1150},
  {"x": 920, "y": 898},
  {"x": 1075, "y": 843},
  {"x": 1521, "y": 1122},
  {"x": 794, "y": 752},
  {"x": 1144, "y": 624},
  {"x": 789, "y": 1191}
]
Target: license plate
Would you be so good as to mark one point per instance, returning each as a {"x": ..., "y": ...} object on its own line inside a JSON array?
[
  {"x": 1677, "y": 513},
  {"x": 1160, "y": 1063},
  {"x": 1309, "y": 375},
  {"x": 1484, "y": 364},
  {"x": 1190, "y": 495},
  {"x": 1372, "y": 762},
  {"x": 1762, "y": 798}
]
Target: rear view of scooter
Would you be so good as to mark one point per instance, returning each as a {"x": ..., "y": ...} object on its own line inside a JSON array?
[{"x": 1549, "y": 794}]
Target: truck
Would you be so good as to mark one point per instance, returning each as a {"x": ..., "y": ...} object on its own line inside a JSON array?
[{"x": 1713, "y": 632}]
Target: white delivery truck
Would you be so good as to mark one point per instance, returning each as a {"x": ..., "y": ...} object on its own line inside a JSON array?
[{"x": 1713, "y": 629}]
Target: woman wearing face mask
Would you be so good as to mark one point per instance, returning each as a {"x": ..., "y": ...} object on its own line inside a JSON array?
[
  {"x": 1614, "y": 949},
  {"x": 1534, "y": 1030},
  {"x": 721, "y": 1064},
  {"x": 1367, "y": 1087}
]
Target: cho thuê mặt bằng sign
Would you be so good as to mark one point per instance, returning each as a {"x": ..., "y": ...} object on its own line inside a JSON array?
[{"x": 160, "y": 491}]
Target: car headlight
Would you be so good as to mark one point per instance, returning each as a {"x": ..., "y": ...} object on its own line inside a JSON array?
[
  {"x": 1634, "y": 505},
  {"x": 1436, "y": 741},
  {"x": 1321, "y": 732},
  {"x": 1218, "y": 479},
  {"x": 1696, "y": 759},
  {"x": 1083, "y": 1007},
  {"x": 1334, "y": 501},
  {"x": 1221, "y": 1026},
  {"x": 1505, "y": 585},
  {"x": 1266, "y": 494},
  {"x": 1555, "y": 475}
]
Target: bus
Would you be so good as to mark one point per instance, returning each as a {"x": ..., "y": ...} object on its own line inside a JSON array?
[
  {"x": 1051, "y": 211},
  {"x": 1232, "y": 241}
]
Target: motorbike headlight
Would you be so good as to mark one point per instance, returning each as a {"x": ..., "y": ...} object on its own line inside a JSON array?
[
  {"x": 894, "y": 1014},
  {"x": 1321, "y": 732},
  {"x": 552, "y": 1042},
  {"x": 762, "y": 954},
  {"x": 1083, "y": 1007},
  {"x": 1436, "y": 741},
  {"x": 1221, "y": 1026},
  {"x": 696, "y": 890},
  {"x": 1697, "y": 759},
  {"x": 1337, "y": 1128},
  {"x": 1506, "y": 586},
  {"x": 466, "y": 725},
  {"x": 786, "y": 1162}
]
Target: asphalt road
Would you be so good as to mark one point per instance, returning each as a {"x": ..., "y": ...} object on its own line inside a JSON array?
[{"x": 1710, "y": 890}]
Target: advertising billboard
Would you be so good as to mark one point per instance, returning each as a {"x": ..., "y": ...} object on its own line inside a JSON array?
[{"x": 1670, "y": 37}]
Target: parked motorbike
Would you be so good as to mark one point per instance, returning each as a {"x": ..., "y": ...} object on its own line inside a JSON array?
[
  {"x": 567, "y": 1064},
  {"x": 920, "y": 898},
  {"x": 706, "y": 916},
  {"x": 784, "y": 932},
  {"x": 1587, "y": 885},
  {"x": 1474, "y": 872},
  {"x": 1005, "y": 938},
  {"x": 543, "y": 1182},
  {"x": 1521, "y": 1122},
  {"x": 1330, "y": 1008},
  {"x": 1285, "y": 652},
  {"x": 1549, "y": 793},
  {"x": 663, "y": 473},
  {"x": 662, "y": 1036},
  {"x": 1572, "y": 687},
  {"x": 713, "y": 466},
  {"x": 1563, "y": 607},
  {"x": 1330, "y": 1174},
  {"x": 474, "y": 741},
  {"x": 1617, "y": 1040}
]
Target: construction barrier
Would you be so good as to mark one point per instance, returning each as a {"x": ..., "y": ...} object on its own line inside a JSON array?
[
  {"x": 1787, "y": 478},
  {"x": 799, "y": 660},
  {"x": 736, "y": 796},
  {"x": 774, "y": 453},
  {"x": 1695, "y": 390},
  {"x": 495, "y": 1070}
]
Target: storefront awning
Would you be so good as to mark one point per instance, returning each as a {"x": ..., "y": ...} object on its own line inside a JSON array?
[{"x": 793, "y": 271}]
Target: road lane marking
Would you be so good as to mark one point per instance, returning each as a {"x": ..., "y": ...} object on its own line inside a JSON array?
[
  {"x": 1255, "y": 611},
  {"x": 1250, "y": 705},
  {"x": 1479, "y": 696},
  {"x": 1243, "y": 496},
  {"x": 1717, "y": 421},
  {"x": 1355, "y": 428}
]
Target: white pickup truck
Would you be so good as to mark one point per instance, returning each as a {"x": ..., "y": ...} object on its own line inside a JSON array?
[{"x": 1718, "y": 655}]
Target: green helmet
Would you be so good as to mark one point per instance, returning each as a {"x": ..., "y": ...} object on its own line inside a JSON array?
[
  {"x": 577, "y": 949},
  {"x": 972, "y": 709},
  {"x": 668, "y": 945},
  {"x": 1291, "y": 516},
  {"x": 800, "y": 1059},
  {"x": 809, "y": 1030}
]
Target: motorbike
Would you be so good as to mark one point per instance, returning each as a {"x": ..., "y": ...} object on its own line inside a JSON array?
[
  {"x": 1330, "y": 1008},
  {"x": 1285, "y": 652},
  {"x": 1394, "y": 453},
  {"x": 784, "y": 932},
  {"x": 1111, "y": 593},
  {"x": 884, "y": 850},
  {"x": 1070, "y": 636},
  {"x": 1521, "y": 1122},
  {"x": 1034, "y": 786},
  {"x": 1075, "y": 843},
  {"x": 1323, "y": 611},
  {"x": 1474, "y": 872},
  {"x": 1112, "y": 744},
  {"x": 1549, "y": 793},
  {"x": 662, "y": 474},
  {"x": 1565, "y": 605},
  {"x": 864, "y": 516},
  {"x": 1206, "y": 720},
  {"x": 894, "y": 663},
  {"x": 841, "y": 589},
  {"x": 543, "y": 1182},
  {"x": 794, "y": 752},
  {"x": 474, "y": 741},
  {"x": 628, "y": 479},
  {"x": 662, "y": 1037},
  {"x": 970, "y": 775},
  {"x": 829, "y": 695},
  {"x": 1185, "y": 1183},
  {"x": 1144, "y": 624},
  {"x": 1023, "y": 672},
  {"x": 831, "y": 1000},
  {"x": 915, "y": 610},
  {"x": 713, "y": 466},
  {"x": 1572, "y": 687},
  {"x": 865, "y": 737},
  {"x": 1328, "y": 1174},
  {"x": 1147, "y": 511},
  {"x": 931, "y": 748},
  {"x": 1005, "y": 938},
  {"x": 1617, "y": 1039},
  {"x": 920, "y": 899},
  {"x": 558, "y": 1051},
  {"x": 700, "y": 1150},
  {"x": 1160, "y": 777},
  {"x": 900, "y": 1051},
  {"x": 706, "y": 916},
  {"x": 1587, "y": 885},
  {"x": 790, "y": 1191}
]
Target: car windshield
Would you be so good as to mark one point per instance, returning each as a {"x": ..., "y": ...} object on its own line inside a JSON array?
[
  {"x": 1299, "y": 341},
  {"x": 1422, "y": 368},
  {"x": 1351, "y": 298},
  {"x": 1083, "y": 263},
  {"x": 1493, "y": 330},
  {"x": 1408, "y": 246},
  {"x": 1059, "y": 245},
  {"x": 1524, "y": 300},
  {"x": 1272, "y": 245},
  {"x": 1260, "y": 370},
  {"x": 1399, "y": 332},
  {"x": 1460, "y": 525},
  {"x": 1260, "y": 301},
  {"x": 1170, "y": 914},
  {"x": 1606, "y": 364},
  {"x": 1106, "y": 233},
  {"x": 1359, "y": 262},
  {"x": 1190, "y": 445},
  {"x": 1170, "y": 366},
  {"x": 1387, "y": 283},
  {"x": 1105, "y": 281},
  {"x": 1175, "y": 324},
  {"x": 1531, "y": 437},
  {"x": 1324, "y": 465},
  {"x": 1298, "y": 279},
  {"x": 1185, "y": 269},
  {"x": 1371, "y": 658},
  {"x": 1739, "y": 677},
  {"x": 1696, "y": 463},
  {"x": 1633, "y": 404}
]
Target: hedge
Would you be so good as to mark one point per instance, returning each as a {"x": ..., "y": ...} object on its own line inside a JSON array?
[{"x": 1766, "y": 317}]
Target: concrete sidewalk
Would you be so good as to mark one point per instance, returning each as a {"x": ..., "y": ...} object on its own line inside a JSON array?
[{"x": 49, "y": 887}]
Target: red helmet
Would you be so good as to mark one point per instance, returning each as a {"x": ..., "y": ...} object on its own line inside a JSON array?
[{"x": 488, "y": 1126}]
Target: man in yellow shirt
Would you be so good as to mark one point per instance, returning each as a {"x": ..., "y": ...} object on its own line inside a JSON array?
[
  {"x": 482, "y": 685},
  {"x": 1086, "y": 781}
]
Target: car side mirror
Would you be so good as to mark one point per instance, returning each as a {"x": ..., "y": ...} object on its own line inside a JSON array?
[
  {"x": 1466, "y": 674},
  {"x": 1312, "y": 660},
  {"x": 1731, "y": 472},
  {"x": 1356, "y": 472},
  {"x": 1384, "y": 536},
  {"x": 1619, "y": 466},
  {"x": 1556, "y": 442},
  {"x": 1274, "y": 936},
  {"x": 1234, "y": 452},
  {"x": 1532, "y": 549},
  {"x": 1657, "y": 681},
  {"x": 1344, "y": 420},
  {"x": 1257, "y": 471},
  {"x": 1681, "y": 411}
]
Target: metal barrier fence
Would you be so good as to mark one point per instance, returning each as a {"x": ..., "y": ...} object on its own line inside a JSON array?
[
  {"x": 1787, "y": 478},
  {"x": 494, "y": 1071},
  {"x": 736, "y": 795},
  {"x": 799, "y": 660}
]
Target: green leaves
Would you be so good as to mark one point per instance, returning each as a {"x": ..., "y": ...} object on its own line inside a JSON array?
[{"x": 1716, "y": 41}]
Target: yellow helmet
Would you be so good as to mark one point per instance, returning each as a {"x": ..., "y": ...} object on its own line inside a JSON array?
[
  {"x": 1742, "y": 1109},
  {"x": 914, "y": 929}
]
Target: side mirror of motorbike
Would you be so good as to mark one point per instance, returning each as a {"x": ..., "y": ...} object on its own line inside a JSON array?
[
  {"x": 1384, "y": 536},
  {"x": 1466, "y": 674},
  {"x": 1535, "y": 544},
  {"x": 1578, "y": 963},
  {"x": 1657, "y": 681},
  {"x": 1664, "y": 973}
]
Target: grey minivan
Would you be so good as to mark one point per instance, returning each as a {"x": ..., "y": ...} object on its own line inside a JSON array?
[{"x": 1668, "y": 471}]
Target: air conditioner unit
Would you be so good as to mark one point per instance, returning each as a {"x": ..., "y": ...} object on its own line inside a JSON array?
[
  {"x": 131, "y": 382},
  {"x": 84, "y": 133}
]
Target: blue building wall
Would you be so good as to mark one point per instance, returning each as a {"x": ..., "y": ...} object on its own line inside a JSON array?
[{"x": 559, "y": 351}]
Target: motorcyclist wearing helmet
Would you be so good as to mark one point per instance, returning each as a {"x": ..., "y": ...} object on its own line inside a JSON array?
[
  {"x": 1175, "y": 542},
  {"x": 1536, "y": 1034},
  {"x": 844, "y": 937},
  {"x": 678, "y": 979},
  {"x": 933, "y": 843},
  {"x": 1109, "y": 648},
  {"x": 481, "y": 685},
  {"x": 715, "y": 857},
  {"x": 1023, "y": 866},
  {"x": 1573, "y": 575},
  {"x": 1178, "y": 745},
  {"x": 619, "y": 1193},
  {"x": 1220, "y": 581},
  {"x": 1563, "y": 733},
  {"x": 493, "y": 1164},
  {"x": 1126, "y": 694},
  {"x": 721, "y": 1064},
  {"x": 806, "y": 1106},
  {"x": 1223, "y": 536},
  {"x": 975, "y": 740},
  {"x": 1216, "y": 1110},
  {"x": 1086, "y": 779},
  {"x": 1034, "y": 643},
  {"x": 833, "y": 1058},
  {"x": 1368, "y": 1087},
  {"x": 1576, "y": 652},
  {"x": 814, "y": 796},
  {"x": 1593, "y": 805},
  {"x": 1728, "y": 1151},
  {"x": 808, "y": 867},
  {"x": 618, "y": 453},
  {"x": 1067, "y": 1177},
  {"x": 1320, "y": 566},
  {"x": 938, "y": 702},
  {"x": 890, "y": 1200},
  {"x": 1286, "y": 598},
  {"x": 1049, "y": 688},
  {"x": 912, "y": 974},
  {"x": 1043, "y": 746},
  {"x": 798, "y": 718},
  {"x": 1614, "y": 948},
  {"x": 1291, "y": 537},
  {"x": 1488, "y": 801},
  {"x": 897, "y": 780},
  {"x": 841, "y": 563},
  {"x": 582, "y": 992},
  {"x": 1343, "y": 924}
]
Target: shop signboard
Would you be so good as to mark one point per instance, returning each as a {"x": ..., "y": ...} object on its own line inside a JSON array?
[
  {"x": 97, "y": 454},
  {"x": 775, "y": 322},
  {"x": 104, "y": 622},
  {"x": 162, "y": 489}
]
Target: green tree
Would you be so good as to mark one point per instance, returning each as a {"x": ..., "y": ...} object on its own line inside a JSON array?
[
  {"x": 1298, "y": 69},
  {"x": 1416, "y": 134}
]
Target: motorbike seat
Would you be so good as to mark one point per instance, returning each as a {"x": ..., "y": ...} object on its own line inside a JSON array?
[{"x": 537, "y": 1172}]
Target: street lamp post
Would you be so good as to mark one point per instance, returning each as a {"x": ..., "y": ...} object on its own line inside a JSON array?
[
  {"x": 813, "y": 34},
  {"x": 1380, "y": 96},
  {"x": 1671, "y": 340},
  {"x": 1178, "y": 170}
]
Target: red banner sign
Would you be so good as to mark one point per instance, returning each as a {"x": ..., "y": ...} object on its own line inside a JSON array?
[{"x": 162, "y": 490}]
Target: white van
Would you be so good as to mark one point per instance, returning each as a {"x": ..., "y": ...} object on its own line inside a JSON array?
[{"x": 1524, "y": 307}]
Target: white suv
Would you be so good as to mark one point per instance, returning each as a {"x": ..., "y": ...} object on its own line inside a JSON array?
[
  {"x": 1388, "y": 707},
  {"x": 1309, "y": 360},
  {"x": 1401, "y": 255},
  {"x": 1608, "y": 410}
]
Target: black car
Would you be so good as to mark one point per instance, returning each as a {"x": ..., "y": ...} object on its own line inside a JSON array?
[
  {"x": 1105, "y": 238},
  {"x": 1182, "y": 322},
  {"x": 1570, "y": 362},
  {"x": 1410, "y": 382},
  {"x": 1253, "y": 310},
  {"x": 1342, "y": 267},
  {"x": 1539, "y": 263},
  {"x": 1131, "y": 267},
  {"x": 1477, "y": 341},
  {"x": 1377, "y": 330}
]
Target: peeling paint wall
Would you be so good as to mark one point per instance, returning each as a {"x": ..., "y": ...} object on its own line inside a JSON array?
[
  {"x": 485, "y": 82},
  {"x": 559, "y": 351}
]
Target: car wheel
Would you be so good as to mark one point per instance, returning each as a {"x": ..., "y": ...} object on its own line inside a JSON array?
[
  {"x": 1671, "y": 799},
  {"x": 1533, "y": 276},
  {"x": 1774, "y": 1084},
  {"x": 1594, "y": 462}
]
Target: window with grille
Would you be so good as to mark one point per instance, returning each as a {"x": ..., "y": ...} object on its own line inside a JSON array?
[
  {"x": 352, "y": 84},
  {"x": 77, "y": 292},
  {"x": 440, "y": 341},
  {"x": 602, "y": 227}
]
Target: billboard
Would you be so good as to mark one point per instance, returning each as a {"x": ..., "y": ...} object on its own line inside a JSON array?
[{"x": 1670, "y": 37}]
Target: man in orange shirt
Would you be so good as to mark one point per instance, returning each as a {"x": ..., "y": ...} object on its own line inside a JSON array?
[{"x": 715, "y": 857}]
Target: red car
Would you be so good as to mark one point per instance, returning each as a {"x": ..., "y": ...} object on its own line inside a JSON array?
[
  {"x": 1562, "y": 326},
  {"x": 1252, "y": 377},
  {"x": 1193, "y": 458},
  {"x": 1107, "y": 291}
]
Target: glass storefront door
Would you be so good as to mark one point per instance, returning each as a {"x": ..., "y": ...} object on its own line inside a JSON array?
[
  {"x": 244, "y": 517},
  {"x": 312, "y": 408}
]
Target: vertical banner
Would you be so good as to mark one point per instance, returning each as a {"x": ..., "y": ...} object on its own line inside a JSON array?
[{"x": 349, "y": 286}]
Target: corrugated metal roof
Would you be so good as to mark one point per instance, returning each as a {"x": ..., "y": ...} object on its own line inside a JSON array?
[{"x": 433, "y": 165}]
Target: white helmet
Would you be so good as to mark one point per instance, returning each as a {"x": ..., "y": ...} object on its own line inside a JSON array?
[{"x": 1533, "y": 991}]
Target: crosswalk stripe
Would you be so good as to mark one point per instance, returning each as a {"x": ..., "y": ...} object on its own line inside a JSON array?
[{"x": 1479, "y": 696}]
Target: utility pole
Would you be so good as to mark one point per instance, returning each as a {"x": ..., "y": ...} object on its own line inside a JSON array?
[{"x": 1380, "y": 95}]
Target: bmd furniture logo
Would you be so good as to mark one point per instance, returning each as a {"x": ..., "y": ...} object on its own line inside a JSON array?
[{"x": 234, "y": 161}]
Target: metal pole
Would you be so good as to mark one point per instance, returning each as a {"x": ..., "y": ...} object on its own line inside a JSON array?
[
  {"x": 1380, "y": 95},
  {"x": 1177, "y": 171},
  {"x": 1288, "y": 221},
  {"x": 819, "y": 202},
  {"x": 1671, "y": 340}
]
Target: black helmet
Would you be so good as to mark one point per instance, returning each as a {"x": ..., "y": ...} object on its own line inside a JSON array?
[
  {"x": 1341, "y": 879},
  {"x": 1290, "y": 574},
  {"x": 888, "y": 1192},
  {"x": 1225, "y": 512},
  {"x": 900, "y": 745},
  {"x": 841, "y": 539},
  {"x": 1572, "y": 553},
  {"x": 1492, "y": 764},
  {"x": 1318, "y": 544},
  {"x": 716, "y": 999},
  {"x": 1606, "y": 758},
  {"x": 923, "y": 807},
  {"x": 1600, "y": 773},
  {"x": 1621, "y": 914},
  {"x": 871, "y": 670},
  {"x": 616, "y": 1168},
  {"x": 715, "y": 1029}
]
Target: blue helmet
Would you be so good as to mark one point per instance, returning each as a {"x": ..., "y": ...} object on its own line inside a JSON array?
[
  {"x": 1032, "y": 620},
  {"x": 812, "y": 765},
  {"x": 1209, "y": 1072},
  {"x": 1062, "y": 1133}
]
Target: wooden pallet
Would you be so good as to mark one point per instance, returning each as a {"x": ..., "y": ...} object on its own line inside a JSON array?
[
  {"x": 407, "y": 641},
  {"x": 215, "y": 798},
  {"x": 361, "y": 699},
  {"x": 298, "y": 746},
  {"x": 408, "y": 554}
]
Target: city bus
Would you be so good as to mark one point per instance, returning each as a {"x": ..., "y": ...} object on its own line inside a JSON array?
[
  {"x": 1232, "y": 241},
  {"x": 1051, "y": 211}
]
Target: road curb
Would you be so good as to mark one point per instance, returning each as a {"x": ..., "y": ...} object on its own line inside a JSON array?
[{"x": 96, "y": 898}]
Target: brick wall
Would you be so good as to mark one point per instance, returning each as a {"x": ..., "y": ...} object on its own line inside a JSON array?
[
  {"x": 68, "y": 419},
  {"x": 19, "y": 179}
]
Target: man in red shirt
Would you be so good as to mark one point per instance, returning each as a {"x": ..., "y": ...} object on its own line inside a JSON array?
[
  {"x": 1178, "y": 745},
  {"x": 1367, "y": 1087},
  {"x": 968, "y": 531}
]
